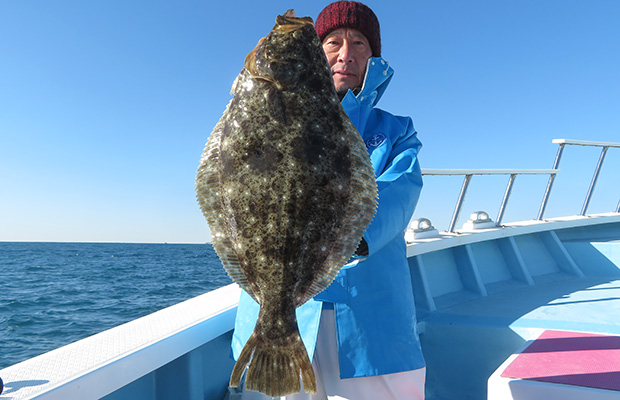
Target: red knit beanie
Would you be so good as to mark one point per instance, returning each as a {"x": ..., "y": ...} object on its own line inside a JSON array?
[{"x": 350, "y": 14}]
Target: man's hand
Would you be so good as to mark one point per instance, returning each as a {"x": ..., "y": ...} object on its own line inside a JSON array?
[{"x": 362, "y": 248}]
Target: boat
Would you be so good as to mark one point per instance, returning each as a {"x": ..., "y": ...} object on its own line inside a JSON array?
[{"x": 506, "y": 310}]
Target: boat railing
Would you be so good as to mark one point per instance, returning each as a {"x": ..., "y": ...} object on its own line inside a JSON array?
[
  {"x": 513, "y": 173},
  {"x": 469, "y": 173},
  {"x": 563, "y": 142}
]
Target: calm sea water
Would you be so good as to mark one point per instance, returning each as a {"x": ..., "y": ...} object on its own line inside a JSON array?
[{"x": 52, "y": 294}]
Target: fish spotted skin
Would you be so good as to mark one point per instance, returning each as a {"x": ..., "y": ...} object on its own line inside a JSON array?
[{"x": 287, "y": 187}]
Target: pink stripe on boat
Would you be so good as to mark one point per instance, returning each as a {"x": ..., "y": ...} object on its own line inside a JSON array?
[{"x": 571, "y": 358}]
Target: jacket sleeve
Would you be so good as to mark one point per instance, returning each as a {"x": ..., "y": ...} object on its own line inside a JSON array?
[{"x": 399, "y": 184}]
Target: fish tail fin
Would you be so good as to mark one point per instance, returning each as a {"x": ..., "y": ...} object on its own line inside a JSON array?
[
  {"x": 275, "y": 370},
  {"x": 242, "y": 361}
]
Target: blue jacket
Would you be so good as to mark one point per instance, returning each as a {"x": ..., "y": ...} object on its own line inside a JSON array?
[{"x": 373, "y": 297}]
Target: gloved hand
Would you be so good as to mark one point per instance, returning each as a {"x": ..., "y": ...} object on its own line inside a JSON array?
[{"x": 362, "y": 248}]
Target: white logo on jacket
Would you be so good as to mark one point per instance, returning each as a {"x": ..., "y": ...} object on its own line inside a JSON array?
[{"x": 375, "y": 140}]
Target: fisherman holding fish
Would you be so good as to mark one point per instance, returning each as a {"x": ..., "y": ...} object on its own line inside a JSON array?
[
  {"x": 361, "y": 331},
  {"x": 301, "y": 172}
]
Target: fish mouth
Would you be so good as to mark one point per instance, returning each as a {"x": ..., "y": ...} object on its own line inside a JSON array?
[
  {"x": 289, "y": 22},
  {"x": 251, "y": 66},
  {"x": 285, "y": 23}
]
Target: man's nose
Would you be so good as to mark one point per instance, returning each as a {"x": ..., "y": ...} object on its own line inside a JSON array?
[{"x": 344, "y": 54}]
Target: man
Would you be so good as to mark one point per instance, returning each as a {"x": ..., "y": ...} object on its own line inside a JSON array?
[{"x": 376, "y": 353}]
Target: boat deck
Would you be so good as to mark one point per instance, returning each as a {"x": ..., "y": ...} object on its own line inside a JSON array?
[
  {"x": 488, "y": 330},
  {"x": 487, "y": 294}
]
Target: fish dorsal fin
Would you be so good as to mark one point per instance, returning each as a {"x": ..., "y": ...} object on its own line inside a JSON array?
[{"x": 210, "y": 200}]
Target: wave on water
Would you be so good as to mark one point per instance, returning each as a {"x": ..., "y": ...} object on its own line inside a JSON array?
[{"x": 52, "y": 294}]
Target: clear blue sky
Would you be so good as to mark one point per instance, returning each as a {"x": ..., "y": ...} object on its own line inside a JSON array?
[{"x": 105, "y": 106}]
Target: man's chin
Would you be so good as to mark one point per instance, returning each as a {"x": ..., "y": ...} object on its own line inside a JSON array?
[{"x": 342, "y": 92}]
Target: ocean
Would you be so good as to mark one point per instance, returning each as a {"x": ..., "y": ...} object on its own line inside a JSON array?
[{"x": 52, "y": 294}]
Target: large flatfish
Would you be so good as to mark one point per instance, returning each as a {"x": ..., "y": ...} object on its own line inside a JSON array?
[{"x": 286, "y": 185}]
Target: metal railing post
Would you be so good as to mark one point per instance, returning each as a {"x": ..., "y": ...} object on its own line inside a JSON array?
[
  {"x": 468, "y": 173},
  {"x": 586, "y": 203},
  {"x": 459, "y": 203},
  {"x": 502, "y": 207},
  {"x": 556, "y": 163}
]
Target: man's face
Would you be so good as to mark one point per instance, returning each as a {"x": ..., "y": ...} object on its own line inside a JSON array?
[{"x": 347, "y": 52}]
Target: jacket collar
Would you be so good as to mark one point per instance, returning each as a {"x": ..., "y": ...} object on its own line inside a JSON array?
[
  {"x": 358, "y": 108},
  {"x": 378, "y": 76}
]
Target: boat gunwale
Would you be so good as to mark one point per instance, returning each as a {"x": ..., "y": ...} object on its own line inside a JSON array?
[{"x": 445, "y": 240}]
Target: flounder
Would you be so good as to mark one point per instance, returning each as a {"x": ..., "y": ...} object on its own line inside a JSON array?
[{"x": 286, "y": 185}]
